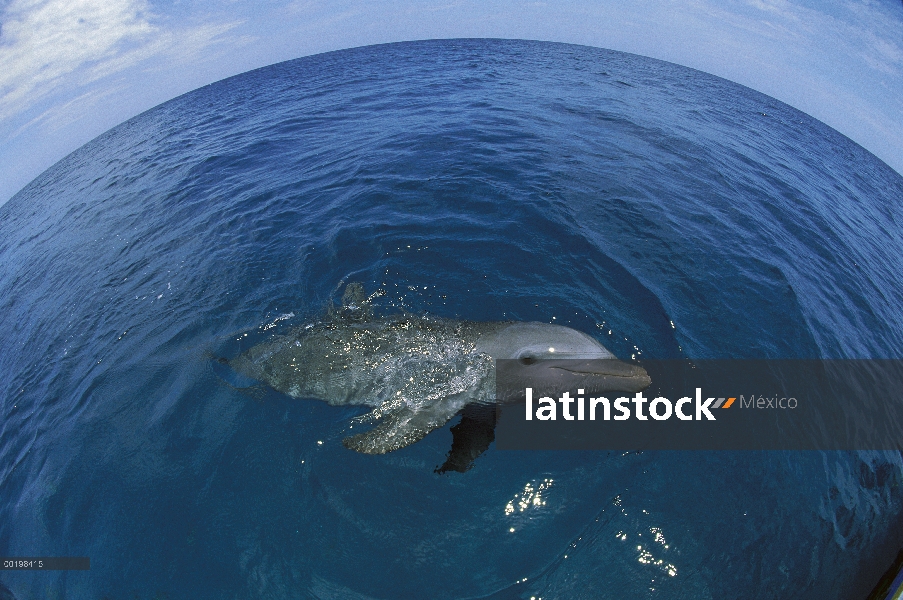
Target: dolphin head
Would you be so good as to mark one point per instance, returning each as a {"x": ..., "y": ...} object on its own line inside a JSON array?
[{"x": 553, "y": 359}]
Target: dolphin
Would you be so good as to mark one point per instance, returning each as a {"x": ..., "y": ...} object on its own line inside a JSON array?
[{"x": 418, "y": 372}]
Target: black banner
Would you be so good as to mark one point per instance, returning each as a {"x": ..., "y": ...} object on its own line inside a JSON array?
[{"x": 701, "y": 405}]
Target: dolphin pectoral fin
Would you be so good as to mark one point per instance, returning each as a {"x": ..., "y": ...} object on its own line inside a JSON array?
[
  {"x": 402, "y": 427},
  {"x": 396, "y": 431},
  {"x": 471, "y": 437}
]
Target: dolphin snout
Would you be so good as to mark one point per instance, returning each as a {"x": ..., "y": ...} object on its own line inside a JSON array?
[
  {"x": 612, "y": 374},
  {"x": 642, "y": 379}
]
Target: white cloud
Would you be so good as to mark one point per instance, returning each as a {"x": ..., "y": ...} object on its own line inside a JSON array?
[
  {"x": 60, "y": 115},
  {"x": 50, "y": 45},
  {"x": 44, "y": 41},
  {"x": 855, "y": 29}
]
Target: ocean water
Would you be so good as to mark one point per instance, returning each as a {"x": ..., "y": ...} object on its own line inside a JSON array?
[{"x": 666, "y": 212}]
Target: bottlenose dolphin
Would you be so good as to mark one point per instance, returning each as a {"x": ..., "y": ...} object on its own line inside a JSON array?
[{"x": 418, "y": 372}]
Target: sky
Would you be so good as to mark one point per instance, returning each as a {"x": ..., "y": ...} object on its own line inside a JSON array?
[{"x": 72, "y": 69}]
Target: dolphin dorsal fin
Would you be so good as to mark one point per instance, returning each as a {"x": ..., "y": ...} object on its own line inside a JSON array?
[
  {"x": 354, "y": 295},
  {"x": 356, "y": 307}
]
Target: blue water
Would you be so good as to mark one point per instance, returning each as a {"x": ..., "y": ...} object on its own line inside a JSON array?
[{"x": 665, "y": 211}]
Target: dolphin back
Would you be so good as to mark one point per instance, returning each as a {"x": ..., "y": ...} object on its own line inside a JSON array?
[{"x": 416, "y": 372}]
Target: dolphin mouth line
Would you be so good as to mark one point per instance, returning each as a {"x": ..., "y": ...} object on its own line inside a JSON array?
[{"x": 579, "y": 372}]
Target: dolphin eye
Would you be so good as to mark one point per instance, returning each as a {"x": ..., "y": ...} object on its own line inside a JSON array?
[{"x": 527, "y": 360}]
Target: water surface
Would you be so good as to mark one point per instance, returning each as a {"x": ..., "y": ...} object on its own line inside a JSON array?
[{"x": 668, "y": 213}]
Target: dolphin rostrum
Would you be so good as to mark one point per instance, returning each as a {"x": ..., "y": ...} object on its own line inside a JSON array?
[{"x": 417, "y": 372}]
